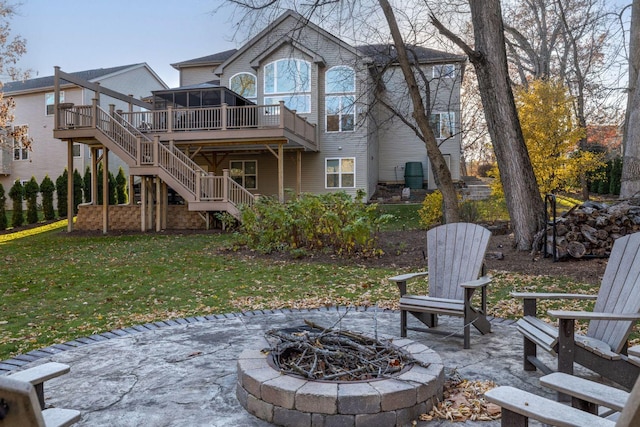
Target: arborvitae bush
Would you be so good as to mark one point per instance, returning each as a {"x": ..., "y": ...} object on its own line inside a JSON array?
[
  {"x": 77, "y": 190},
  {"x": 603, "y": 185},
  {"x": 121, "y": 187},
  {"x": 17, "y": 196},
  {"x": 61, "y": 189},
  {"x": 616, "y": 176},
  {"x": 31, "y": 190},
  {"x": 113, "y": 194},
  {"x": 47, "y": 189},
  {"x": 3, "y": 211},
  {"x": 86, "y": 185}
]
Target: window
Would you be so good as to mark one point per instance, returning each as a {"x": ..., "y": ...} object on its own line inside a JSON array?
[
  {"x": 245, "y": 173},
  {"x": 49, "y": 99},
  {"x": 444, "y": 70},
  {"x": 76, "y": 150},
  {"x": 244, "y": 84},
  {"x": 341, "y": 172},
  {"x": 20, "y": 146},
  {"x": 340, "y": 87},
  {"x": 288, "y": 80},
  {"x": 443, "y": 124}
]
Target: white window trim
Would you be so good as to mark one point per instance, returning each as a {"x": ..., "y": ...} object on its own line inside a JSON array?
[
  {"x": 453, "y": 124},
  {"x": 275, "y": 94},
  {"x": 342, "y": 95},
  {"x": 340, "y": 173}
]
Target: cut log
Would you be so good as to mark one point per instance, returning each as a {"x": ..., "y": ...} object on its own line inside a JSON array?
[{"x": 576, "y": 249}]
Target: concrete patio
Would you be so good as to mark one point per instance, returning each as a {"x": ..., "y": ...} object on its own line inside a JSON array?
[{"x": 183, "y": 372}]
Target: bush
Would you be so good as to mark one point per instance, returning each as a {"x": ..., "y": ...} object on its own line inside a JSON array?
[
  {"x": 121, "y": 187},
  {"x": 47, "y": 188},
  {"x": 31, "y": 190},
  {"x": 61, "y": 189},
  {"x": 86, "y": 185},
  {"x": 77, "y": 190},
  {"x": 469, "y": 211},
  {"x": 17, "y": 195},
  {"x": 3, "y": 211},
  {"x": 431, "y": 211},
  {"x": 332, "y": 221}
]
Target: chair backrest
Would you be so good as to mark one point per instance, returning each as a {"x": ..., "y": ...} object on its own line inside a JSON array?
[
  {"x": 619, "y": 292},
  {"x": 455, "y": 254},
  {"x": 19, "y": 404},
  {"x": 630, "y": 415}
]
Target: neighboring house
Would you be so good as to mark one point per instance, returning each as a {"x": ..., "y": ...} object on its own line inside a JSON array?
[
  {"x": 295, "y": 108},
  {"x": 34, "y": 100}
]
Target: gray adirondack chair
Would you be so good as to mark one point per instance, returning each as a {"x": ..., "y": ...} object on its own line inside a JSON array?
[
  {"x": 518, "y": 406},
  {"x": 455, "y": 256},
  {"x": 604, "y": 347},
  {"x": 19, "y": 406}
]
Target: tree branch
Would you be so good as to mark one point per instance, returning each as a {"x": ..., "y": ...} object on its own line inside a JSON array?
[{"x": 473, "y": 55}]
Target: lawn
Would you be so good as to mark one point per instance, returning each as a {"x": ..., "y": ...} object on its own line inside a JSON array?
[{"x": 56, "y": 288}]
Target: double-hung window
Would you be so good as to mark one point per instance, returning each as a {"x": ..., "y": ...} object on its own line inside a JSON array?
[
  {"x": 20, "y": 149},
  {"x": 340, "y": 172},
  {"x": 444, "y": 70},
  {"x": 245, "y": 173},
  {"x": 340, "y": 108},
  {"x": 443, "y": 124},
  {"x": 244, "y": 84},
  {"x": 49, "y": 102},
  {"x": 288, "y": 80}
]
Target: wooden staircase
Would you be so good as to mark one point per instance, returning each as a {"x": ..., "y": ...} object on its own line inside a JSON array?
[{"x": 201, "y": 190}]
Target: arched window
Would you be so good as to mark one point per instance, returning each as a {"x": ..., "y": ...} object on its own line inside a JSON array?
[
  {"x": 340, "y": 88},
  {"x": 288, "y": 80},
  {"x": 244, "y": 84}
]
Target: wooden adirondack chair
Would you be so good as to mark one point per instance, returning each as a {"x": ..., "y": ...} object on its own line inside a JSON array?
[
  {"x": 455, "y": 256},
  {"x": 604, "y": 348},
  {"x": 518, "y": 406},
  {"x": 19, "y": 406}
]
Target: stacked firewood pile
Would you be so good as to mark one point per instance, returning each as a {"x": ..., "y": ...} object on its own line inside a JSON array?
[
  {"x": 589, "y": 229},
  {"x": 319, "y": 353}
]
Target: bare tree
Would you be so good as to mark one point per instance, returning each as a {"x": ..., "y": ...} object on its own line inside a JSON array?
[
  {"x": 489, "y": 59},
  {"x": 630, "y": 185}
]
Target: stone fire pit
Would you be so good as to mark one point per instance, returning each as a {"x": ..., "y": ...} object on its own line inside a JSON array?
[{"x": 289, "y": 400}]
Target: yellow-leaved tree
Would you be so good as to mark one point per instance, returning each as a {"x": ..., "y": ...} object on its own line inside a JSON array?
[{"x": 552, "y": 135}]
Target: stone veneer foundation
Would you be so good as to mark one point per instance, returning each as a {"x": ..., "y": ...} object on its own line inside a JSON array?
[
  {"x": 127, "y": 218},
  {"x": 287, "y": 400}
]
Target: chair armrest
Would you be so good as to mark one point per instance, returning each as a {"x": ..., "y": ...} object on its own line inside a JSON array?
[
  {"x": 548, "y": 411},
  {"x": 407, "y": 276},
  {"x": 478, "y": 283},
  {"x": 586, "y": 390},
  {"x": 541, "y": 295},
  {"x": 592, "y": 315},
  {"x": 41, "y": 373}
]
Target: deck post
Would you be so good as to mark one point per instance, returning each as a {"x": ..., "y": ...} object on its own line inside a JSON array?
[
  {"x": 281, "y": 117},
  {"x": 143, "y": 203},
  {"x": 225, "y": 185},
  {"x": 165, "y": 199},
  {"x": 94, "y": 113},
  {"x": 198, "y": 187},
  {"x": 223, "y": 116},
  {"x": 70, "y": 185},
  {"x": 56, "y": 98},
  {"x": 159, "y": 204},
  {"x": 299, "y": 172},
  {"x": 169, "y": 118},
  {"x": 156, "y": 147},
  {"x": 280, "y": 173},
  {"x": 105, "y": 190},
  {"x": 94, "y": 176}
]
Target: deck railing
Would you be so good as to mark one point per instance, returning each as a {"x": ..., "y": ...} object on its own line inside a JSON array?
[
  {"x": 223, "y": 188},
  {"x": 222, "y": 118}
]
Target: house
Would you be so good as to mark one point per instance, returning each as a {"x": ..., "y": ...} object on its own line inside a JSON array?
[
  {"x": 34, "y": 108},
  {"x": 295, "y": 108}
]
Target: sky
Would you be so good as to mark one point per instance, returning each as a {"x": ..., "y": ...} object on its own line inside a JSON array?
[{"x": 80, "y": 35}]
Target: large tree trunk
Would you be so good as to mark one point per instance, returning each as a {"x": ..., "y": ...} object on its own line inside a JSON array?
[
  {"x": 524, "y": 203},
  {"x": 630, "y": 184},
  {"x": 441, "y": 173},
  {"x": 489, "y": 58}
]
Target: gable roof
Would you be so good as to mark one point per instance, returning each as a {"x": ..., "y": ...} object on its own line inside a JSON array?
[
  {"x": 383, "y": 54},
  {"x": 216, "y": 58},
  {"x": 89, "y": 75}
]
